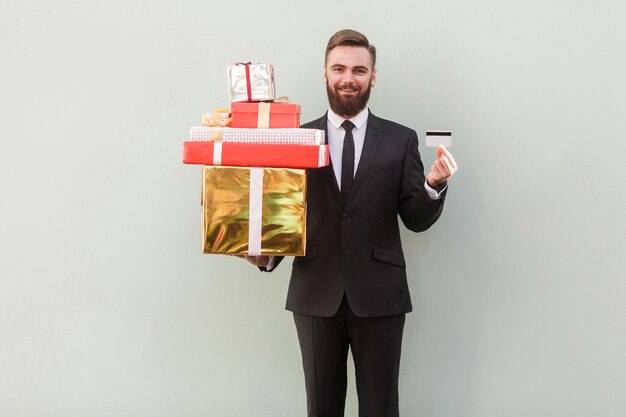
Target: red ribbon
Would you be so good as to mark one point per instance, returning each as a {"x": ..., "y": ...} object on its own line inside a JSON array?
[{"x": 248, "y": 86}]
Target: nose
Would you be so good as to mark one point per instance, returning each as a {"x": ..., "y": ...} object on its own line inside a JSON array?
[{"x": 348, "y": 77}]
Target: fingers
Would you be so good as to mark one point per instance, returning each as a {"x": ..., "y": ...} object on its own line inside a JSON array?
[
  {"x": 442, "y": 152},
  {"x": 254, "y": 260},
  {"x": 257, "y": 260},
  {"x": 449, "y": 169},
  {"x": 441, "y": 170},
  {"x": 447, "y": 159}
]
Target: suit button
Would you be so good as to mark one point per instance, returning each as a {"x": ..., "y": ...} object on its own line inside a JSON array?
[{"x": 345, "y": 214}]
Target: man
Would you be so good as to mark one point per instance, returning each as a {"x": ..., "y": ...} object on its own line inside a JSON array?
[{"x": 350, "y": 289}]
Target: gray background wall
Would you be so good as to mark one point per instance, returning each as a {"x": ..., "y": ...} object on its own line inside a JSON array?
[{"x": 107, "y": 307}]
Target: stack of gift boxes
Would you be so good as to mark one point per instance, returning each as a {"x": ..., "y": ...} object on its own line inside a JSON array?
[{"x": 254, "y": 155}]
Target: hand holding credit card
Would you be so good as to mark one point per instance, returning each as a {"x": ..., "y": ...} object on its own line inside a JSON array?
[{"x": 444, "y": 166}]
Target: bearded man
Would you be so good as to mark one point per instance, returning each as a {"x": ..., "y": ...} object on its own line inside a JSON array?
[{"x": 350, "y": 289}]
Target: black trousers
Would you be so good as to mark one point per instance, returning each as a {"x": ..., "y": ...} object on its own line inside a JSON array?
[{"x": 376, "y": 344}]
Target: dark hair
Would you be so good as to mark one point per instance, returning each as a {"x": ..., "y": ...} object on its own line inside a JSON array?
[{"x": 348, "y": 37}]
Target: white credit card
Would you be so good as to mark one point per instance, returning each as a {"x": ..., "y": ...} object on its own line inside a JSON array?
[{"x": 435, "y": 138}]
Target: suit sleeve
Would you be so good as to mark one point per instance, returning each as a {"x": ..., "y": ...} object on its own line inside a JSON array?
[
  {"x": 277, "y": 260},
  {"x": 417, "y": 210}
]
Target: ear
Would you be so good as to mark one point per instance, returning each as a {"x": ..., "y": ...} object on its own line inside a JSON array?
[
  {"x": 373, "y": 81},
  {"x": 324, "y": 76}
]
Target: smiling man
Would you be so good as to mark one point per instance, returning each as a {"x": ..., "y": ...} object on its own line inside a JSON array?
[{"x": 350, "y": 289}]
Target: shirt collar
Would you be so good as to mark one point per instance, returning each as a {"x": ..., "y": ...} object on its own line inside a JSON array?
[{"x": 359, "y": 120}]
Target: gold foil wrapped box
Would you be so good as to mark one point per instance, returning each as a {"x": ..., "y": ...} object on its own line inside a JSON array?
[
  {"x": 254, "y": 211},
  {"x": 251, "y": 82}
]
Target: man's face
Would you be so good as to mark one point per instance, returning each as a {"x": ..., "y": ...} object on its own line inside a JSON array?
[{"x": 349, "y": 77}]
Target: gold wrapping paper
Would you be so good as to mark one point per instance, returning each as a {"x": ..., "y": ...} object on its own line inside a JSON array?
[{"x": 226, "y": 211}]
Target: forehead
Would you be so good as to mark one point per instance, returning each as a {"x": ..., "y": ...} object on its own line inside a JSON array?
[{"x": 349, "y": 56}]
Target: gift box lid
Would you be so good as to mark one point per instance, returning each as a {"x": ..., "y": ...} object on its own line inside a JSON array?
[
  {"x": 275, "y": 108},
  {"x": 293, "y": 136}
]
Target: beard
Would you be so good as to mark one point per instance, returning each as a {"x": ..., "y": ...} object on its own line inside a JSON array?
[{"x": 347, "y": 106}]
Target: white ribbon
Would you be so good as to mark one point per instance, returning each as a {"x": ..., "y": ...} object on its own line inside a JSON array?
[
  {"x": 263, "y": 117},
  {"x": 322, "y": 156},
  {"x": 217, "y": 153},
  {"x": 216, "y": 134},
  {"x": 256, "y": 215}
]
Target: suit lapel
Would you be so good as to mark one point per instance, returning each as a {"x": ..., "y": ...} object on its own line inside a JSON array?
[
  {"x": 322, "y": 124},
  {"x": 373, "y": 135}
]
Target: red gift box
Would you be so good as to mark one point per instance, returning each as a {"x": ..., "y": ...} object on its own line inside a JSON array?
[
  {"x": 265, "y": 115},
  {"x": 255, "y": 154}
]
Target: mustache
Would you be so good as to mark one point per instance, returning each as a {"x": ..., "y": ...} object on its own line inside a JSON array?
[{"x": 348, "y": 87}]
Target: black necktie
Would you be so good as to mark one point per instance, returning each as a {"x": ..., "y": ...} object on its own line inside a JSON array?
[{"x": 347, "y": 160}]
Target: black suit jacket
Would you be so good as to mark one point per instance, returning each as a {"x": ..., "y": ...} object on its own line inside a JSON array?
[{"x": 355, "y": 248}]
